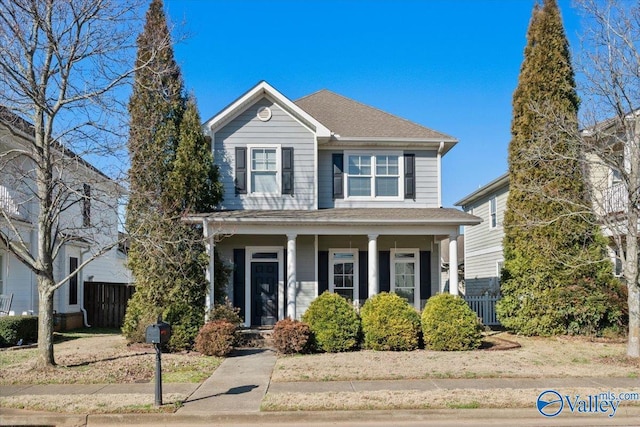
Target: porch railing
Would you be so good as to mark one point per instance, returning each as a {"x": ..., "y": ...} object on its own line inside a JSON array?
[
  {"x": 485, "y": 308},
  {"x": 615, "y": 198}
]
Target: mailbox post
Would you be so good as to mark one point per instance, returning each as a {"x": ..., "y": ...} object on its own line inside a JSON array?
[{"x": 158, "y": 334}]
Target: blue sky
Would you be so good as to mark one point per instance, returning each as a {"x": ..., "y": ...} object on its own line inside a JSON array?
[{"x": 450, "y": 65}]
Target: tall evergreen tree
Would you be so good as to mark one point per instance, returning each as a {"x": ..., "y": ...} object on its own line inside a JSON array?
[
  {"x": 172, "y": 172},
  {"x": 556, "y": 277}
]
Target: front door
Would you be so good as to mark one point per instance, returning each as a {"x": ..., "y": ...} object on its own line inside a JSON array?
[{"x": 264, "y": 293}]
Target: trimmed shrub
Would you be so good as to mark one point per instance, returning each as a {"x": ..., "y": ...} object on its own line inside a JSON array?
[
  {"x": 216, "y": 338},
  {"x": 449, "y": 324},
  {"x": 389, "y": 322},
  {"x": 226, "y": 312},
  {"x": 334, "y": 323},
  {"x": 291, "y": 336},
  {"x": 16, "y": 328}
]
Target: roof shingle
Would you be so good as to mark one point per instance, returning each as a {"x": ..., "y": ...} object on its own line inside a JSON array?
[{"x": 348, "y": 118}]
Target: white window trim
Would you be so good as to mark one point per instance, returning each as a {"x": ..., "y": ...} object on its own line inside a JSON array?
[
  {"x": 356, "y": 266},
  {"x": 278, "y": 148},
  {"x": 493, "y": 201},
  {"x": 499, "y": 269},
  {"x": 416, "y": 261},
  {"x": 249, "y": 252},
  {"x": 373, "y": 155}
]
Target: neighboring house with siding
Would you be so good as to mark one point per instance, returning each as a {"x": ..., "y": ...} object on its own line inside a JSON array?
[
  {"x": 325, "y": 194},
  {"x": 483, "y": 256},
  {"x": 89, "y": 221}
]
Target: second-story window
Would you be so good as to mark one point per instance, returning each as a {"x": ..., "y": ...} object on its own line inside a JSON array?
[
  {"x": 86, "y": 205},
  {"x": 493, "y": 208},
  {"x": 264, "y": 170},
  {"x": 373, "y": 176}
]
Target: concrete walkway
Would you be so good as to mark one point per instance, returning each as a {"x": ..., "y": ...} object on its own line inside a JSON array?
[{"x": 238, "y": 385}]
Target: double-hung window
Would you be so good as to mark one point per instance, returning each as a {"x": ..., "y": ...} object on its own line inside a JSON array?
[
  {"x": 264, "y": 165},
  {"x": 405, "y": 275},
  {"x": 374, "y": 175},
  {"x": 343, "y": 273},
  {"x": 493, "y": 212}
]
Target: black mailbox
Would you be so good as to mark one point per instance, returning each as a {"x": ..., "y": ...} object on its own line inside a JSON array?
[{"x": 158, "y": 333}]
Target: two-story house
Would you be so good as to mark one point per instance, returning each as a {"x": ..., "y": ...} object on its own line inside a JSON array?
[
  {"x": 326, "y": 194},
  {"x": 88, "y": 221},
  {"x": 483, "y": 255}
]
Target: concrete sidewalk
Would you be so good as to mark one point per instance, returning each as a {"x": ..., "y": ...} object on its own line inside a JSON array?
[{"x": 238, "y": 385}]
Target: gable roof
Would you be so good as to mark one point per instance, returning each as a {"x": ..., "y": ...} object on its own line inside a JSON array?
[
  {"x": 264, "y": 89},
  {"x": 495, "y": 185},
  {"x": 351, "y": 120}
]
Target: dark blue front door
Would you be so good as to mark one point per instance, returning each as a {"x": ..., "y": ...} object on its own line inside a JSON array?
[{"x": 264, "y": 293}]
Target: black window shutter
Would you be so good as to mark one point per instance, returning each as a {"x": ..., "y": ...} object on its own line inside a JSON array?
[
  {"x": 338, "y": 176},
  {"x": 323, "y": 271},
  {"x": 363, "y": 272},
  {"x": 239, "y": 280},
  {"x": 410, "y": 176},
  {"x": 287, "y": 170},
  {"x": 425, "y": 276},
  {"x": 241, "y": 170},
  {"x": 384, "y": 271}
]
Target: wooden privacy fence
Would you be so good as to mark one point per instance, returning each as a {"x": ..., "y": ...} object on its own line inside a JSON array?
[
  {"x": 485, "y": 308},
  {"x": 106, "y": 303}
]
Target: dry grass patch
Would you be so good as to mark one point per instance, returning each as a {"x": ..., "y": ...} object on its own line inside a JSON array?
[
  {"x": 433, "y": 399},
  {"x": 94, "y": 403},
  {"x": 87, "y": 358},
  {"x": 535, "y": 358}
]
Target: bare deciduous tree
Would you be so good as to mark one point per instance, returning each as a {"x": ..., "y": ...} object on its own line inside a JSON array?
[
  {"x": 610, "y": 87},
  {"x": 63, "y": 68}
]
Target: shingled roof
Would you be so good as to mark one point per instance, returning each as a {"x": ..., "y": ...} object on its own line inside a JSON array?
[{"x": 351, "y": 119}]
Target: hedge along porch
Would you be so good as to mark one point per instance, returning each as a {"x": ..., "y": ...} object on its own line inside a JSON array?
[{"x": 284, "y": 259}]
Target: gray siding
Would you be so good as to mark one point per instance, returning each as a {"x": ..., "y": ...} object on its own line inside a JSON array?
[
  {"x": 426, "y": 183},
  {"x": 306, "y": 273},
  {"x": 282, "y": 130},
  {"x": 483, "y": 245}
]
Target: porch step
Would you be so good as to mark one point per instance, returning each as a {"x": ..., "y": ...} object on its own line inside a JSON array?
[{"x": 255, "y": 338}]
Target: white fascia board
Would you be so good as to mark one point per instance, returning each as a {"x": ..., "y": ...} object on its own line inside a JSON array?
[
  {"x": 253, "y": 95},
  {"x": 493, "y": 186},
  {"x": 420, "y": 143}
]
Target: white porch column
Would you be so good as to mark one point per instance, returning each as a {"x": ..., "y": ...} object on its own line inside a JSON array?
[
  {"x": 291, "y": 275},
  {"x": 210, "y": 247},
  {"x": 373, "y": 264},
  {"x": 453, "y": 264}
]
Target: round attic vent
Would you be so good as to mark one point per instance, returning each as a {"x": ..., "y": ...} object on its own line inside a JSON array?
[{"x": 264, "y": 113}]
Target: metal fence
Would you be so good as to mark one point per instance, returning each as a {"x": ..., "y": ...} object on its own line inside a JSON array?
[{"x": 485, "y": 308}]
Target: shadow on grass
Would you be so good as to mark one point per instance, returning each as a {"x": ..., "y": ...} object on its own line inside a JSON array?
[{"x": 75, "y": 334}]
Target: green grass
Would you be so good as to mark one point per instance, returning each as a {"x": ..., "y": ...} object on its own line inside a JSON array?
[
  {"x": 467, "y": 405},
  {"x": 12, "y": 357},
  {"x": 197, "y": 371}
]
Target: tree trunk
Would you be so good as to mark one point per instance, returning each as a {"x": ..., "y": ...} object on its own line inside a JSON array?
[
  {"x": 633, "y": 343},
  {"x": 45, "y": 323}
]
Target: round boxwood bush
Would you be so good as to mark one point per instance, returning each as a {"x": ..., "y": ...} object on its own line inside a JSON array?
[
  {"x": 334, "y": 323},
  {"x": 449, "y": 324},
  {"x": 389, "y": 322}
]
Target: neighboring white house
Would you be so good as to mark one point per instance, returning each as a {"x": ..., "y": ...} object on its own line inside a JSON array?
[
  {"x": 89, "y": 223},
  {"x": 483, "y": 243},
  {"x": 326, "y": 194}
]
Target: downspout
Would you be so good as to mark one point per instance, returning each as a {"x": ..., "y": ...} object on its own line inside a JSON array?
[
  {"x": 439, "y": 167},
  {"x": 81, "y": 276}
]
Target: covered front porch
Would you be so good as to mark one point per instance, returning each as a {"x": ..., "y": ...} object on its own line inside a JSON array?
[{"x": 282, "y": 260}]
